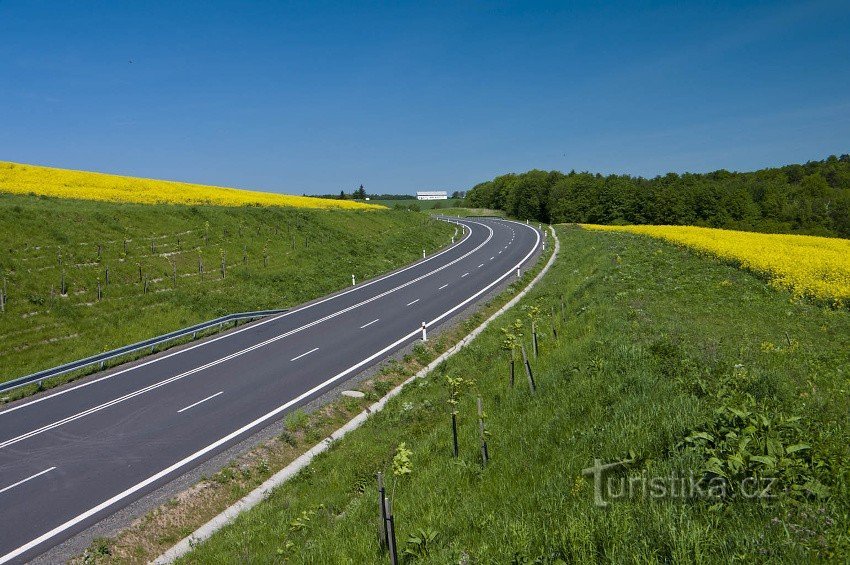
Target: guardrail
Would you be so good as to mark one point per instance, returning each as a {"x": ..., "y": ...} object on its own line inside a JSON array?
[{"x": 101, "y": 358}]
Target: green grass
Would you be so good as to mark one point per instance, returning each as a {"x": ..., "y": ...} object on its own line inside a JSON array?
[
  {"x": 657, "y": 348},
  {"x": 466, "y": 212},
  {"x": 308, "y": 253},
  {"x": 415, "y": 204}
]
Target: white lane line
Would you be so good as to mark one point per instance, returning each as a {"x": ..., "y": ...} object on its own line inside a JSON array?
[
  {"x": 236, "y": 433},
  {"x": 481, "y": 265},
  {"x": 2, "y": 490},
  {"x": 463, "y": 275},
  {"x": 369, "y": 324},
  {"x": 200, "y": 401},
  {"x": 304, "y": 354},
  {"x": 493, "y": 257},
  {"x": 442, "y": 287},
  {"x": 262, "y": 322},
  {"x": 500, "y": 251},
  {"x": 226, "y": 358},
  {"x": 411, "y": 303}
]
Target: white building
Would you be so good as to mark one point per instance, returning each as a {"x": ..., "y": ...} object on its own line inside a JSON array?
[{"x": 431, "y": 195}]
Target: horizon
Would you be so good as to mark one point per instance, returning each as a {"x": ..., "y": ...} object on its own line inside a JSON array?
[{"x": 274, "y": 99}]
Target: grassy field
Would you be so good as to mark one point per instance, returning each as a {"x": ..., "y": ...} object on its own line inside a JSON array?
[
  {"x": 667, "y": 362},
  {"x": 274, "y": 257},
  {"x": 16, "y": 178},
  {"x": 420, "y": 204}
]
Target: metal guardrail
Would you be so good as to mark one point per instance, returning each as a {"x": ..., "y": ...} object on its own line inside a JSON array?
[{"x": 101, "y": 358}]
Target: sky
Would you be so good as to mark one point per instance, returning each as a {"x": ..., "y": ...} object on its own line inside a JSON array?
[{"x": 320, "y": 97}]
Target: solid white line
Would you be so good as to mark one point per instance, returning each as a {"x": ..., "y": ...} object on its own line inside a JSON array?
[
  {"x": 411, "y": 303},
  {"x": 200, "y": 453},
  {"x": 25, "y": 480},
  {"x": 463, "y": 275},
  {"x": 248, "y": 327},
  {"x": 231, "y": 356},
  {"x": 369, "y": 324},
  {"x": 442, "y": 287},
  {"x": 200, "y": 401},
  {"x": 304, "y": 354}
]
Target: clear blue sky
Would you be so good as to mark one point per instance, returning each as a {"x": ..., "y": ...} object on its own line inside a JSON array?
[{"x": 318, "y": 97}]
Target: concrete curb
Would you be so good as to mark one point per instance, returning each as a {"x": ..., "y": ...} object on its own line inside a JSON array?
[{"x": 263, "y": 491}]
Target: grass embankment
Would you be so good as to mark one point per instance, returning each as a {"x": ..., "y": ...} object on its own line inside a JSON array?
[
  {"x": 467, "y": 212},
  {"x": 274, "y": 257},
  {"x": 17, "y": 178},
  {"x": 808, "y": 266},
  {"x": 676, "y": 362}
]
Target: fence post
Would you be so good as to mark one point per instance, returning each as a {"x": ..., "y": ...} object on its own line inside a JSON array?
[
  {"x": 388, "y": 509},
  {"x": 528, "y": 370},
  {"x": 485, "y": 455},
  {"x": 383, "y": 533}
]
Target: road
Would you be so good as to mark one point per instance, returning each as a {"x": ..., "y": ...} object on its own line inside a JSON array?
[{"x": 72, "y": 457}]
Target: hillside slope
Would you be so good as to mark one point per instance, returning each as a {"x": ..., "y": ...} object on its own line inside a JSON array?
[
  {"x": 164, "y": 266},
  {"x": 672, "y": 366}
]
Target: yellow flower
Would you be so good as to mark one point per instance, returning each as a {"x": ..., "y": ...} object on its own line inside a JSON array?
[{"x": 63, "y": 183}]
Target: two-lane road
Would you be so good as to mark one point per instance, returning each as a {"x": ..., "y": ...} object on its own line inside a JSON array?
[{"x": 72, "y": 457}]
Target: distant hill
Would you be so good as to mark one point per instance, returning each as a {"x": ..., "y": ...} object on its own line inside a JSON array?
[
  {"x": 813, "y": 198},
  {"x": 63, "y": 183}
]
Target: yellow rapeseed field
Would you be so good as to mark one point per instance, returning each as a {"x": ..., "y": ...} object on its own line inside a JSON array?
[
  {"x": 817, "y": 267},
  {"x": 64, "y": 183}
]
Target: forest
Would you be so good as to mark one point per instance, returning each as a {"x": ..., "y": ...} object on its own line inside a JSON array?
[{"x": 812, "y": 198}]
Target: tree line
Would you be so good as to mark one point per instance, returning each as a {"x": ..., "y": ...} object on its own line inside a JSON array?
[{"x": 812, "y": 198}]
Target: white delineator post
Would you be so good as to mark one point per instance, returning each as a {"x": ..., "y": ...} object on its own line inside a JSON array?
[
  {"x": 517, "y": 272},
  {"x": 353, "y": 282},
  {"x": 423, "y": 253},
  {"x": 424, "y": 332}
]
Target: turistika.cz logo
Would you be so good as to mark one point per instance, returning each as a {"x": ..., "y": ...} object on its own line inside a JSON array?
[{"x": 611, "y": 486}]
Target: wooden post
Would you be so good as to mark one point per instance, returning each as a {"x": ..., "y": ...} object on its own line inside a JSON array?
[
  {"x": 528, "y": 370},
  {"x": 140, "y": 273},
  {"x": 388, "y": 509},
  {"x": 223, "y": 266},
  {"x": 454, "y": 432},
  {"x": 382, "y": 514},
  {"x": 534, "y": 337},
  {"x": 107, "y": 275},
  {"x": 513, "y": 367},
  {"x": 485, "y": 455}
]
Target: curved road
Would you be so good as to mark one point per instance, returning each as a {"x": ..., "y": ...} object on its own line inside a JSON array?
[{"x": 70, "y": 458}]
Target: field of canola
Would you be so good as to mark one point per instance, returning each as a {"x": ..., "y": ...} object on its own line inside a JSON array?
[
  {"x": 816, "y": 267},
  {"x": 64, "y": 183}
]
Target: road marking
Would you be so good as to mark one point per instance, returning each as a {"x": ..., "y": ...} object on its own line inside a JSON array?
[
  {"x": 200, "y": 401},
  {"x": 500, "y": 251},
  {"x": 185, "y": 374},
  {"x": 236, "y": 433},
  {"x": 411, "y": 303},
  {"x": 10, "y": 487},
  {"x": 442, "y": 287},
  {"x": 463, "y": 275},
  {"x": 481, "y": 265},
  {"x": 304, "y": 354},
  {"x": 493, "y": 257},
  {"x": 369, "y": 324},
  {"x": 266, "y": 321}
]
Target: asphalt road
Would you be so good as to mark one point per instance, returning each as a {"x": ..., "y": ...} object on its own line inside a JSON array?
[{"x": 70, "y": 458}]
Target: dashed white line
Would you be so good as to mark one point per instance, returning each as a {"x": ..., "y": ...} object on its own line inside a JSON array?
[
  {"x": 463, "y": 275},
  {"x": 210, "y": 397},
  {"x": 481, "y": 265},
  {"x": 31, "y": 477},
  {"x": 369, "y": 324},
  {"x": 303, "y": 354},
  {"x": 412, "y": 303},
  {"x": 442, "y": 287},
  {"x": 493, "y": 257}
]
